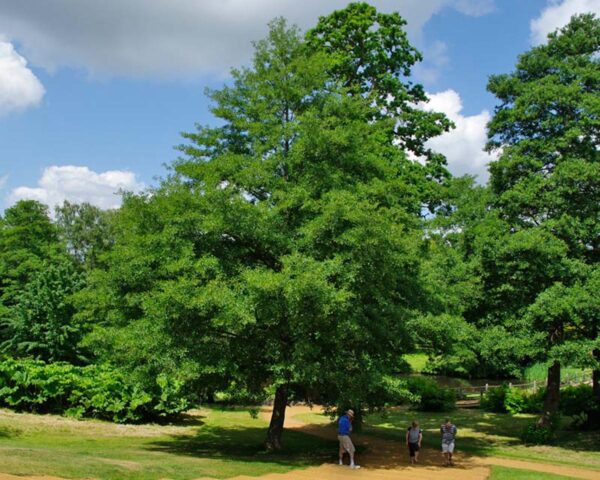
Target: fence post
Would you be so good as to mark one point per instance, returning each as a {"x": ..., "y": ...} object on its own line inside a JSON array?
[
  {"x": 509, "y": 384},
  {"x": 487, "y": 387}
]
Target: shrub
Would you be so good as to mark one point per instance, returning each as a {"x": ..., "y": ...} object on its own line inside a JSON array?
[
  {"x": 513, "y": 400},
  {"x": 574, "y": 400},
  {"x": 429, "y": 396},
  {"x": 524, "y": 401},
  {"x": 579, "y": 404},
  {"x": 538, "y": 434},
  {"x": 97, "y": 391},
  {"x": 494, "y": 399}
]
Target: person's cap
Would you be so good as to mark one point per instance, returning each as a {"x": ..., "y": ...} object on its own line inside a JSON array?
[{"x": 350, "y": 412}]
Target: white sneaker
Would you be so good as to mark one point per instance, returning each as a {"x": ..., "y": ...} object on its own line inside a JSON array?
[{"x": 355, "y": 466}]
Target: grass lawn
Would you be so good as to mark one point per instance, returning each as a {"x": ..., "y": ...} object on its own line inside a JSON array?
[
  {"x": 223, "y": 442},
  {"x": 494, "y": 434},
  {"x": 483, "y": 433},
  {"x": 218, "y": 443},
  {"x": 417, "y": 361},
  {"x": 503, "y": 473}
]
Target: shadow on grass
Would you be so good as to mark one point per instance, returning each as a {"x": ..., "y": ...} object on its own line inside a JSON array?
[
  {"x": 381, "y": 444},
  {"x": 488, "y": 431},
  {"x": 8, "y": 432},
  {"x": 186, "y": 419},
  {"x": 247, "y": 444}
]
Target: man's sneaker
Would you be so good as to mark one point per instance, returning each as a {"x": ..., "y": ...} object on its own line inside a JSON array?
[{"x": 355, "y": 466}]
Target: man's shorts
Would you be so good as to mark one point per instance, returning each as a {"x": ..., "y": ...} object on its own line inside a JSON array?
[
  {"x": 346, "y": 443},
  {"x": 448, "y": 447},
  {"x": 413, "y": 448}
]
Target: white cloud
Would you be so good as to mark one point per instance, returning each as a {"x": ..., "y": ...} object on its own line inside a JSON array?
[
  {"x": 557, "y": 14},
  {"x": 173, "y": 39},
  {"x": 463, "y": 146},
  {"x": 19, "y": 87},
  {"x": 78, "y": 184},
  {"x": 3, "y": 181}
]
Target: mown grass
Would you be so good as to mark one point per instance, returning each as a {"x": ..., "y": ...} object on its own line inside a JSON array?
[
  {"x": 218, "y": 443},
  {"x": 224, "y": 442},
  {"x": 416, "y": 361},
  {"x": 483, "y": 433},
  {"x": 504, "y": 473}
]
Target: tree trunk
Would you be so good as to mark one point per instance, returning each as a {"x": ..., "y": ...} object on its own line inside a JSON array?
[
  {"x": 277, "y": 419},
  {"x": 552, "y": 398},
  {"x": 595, "y": 415},
  {"x": 596, "y": 379}
]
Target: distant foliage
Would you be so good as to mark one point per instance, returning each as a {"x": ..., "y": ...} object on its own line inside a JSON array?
[
  {"x": 96, "y": 391},
  {"x": 41, "y": 324},
  {"x": 494, "y": 399},
  {"x": 513, "y": 400},
  {"x": 429, "y": 396},
  {"x": 524, "y": 401},
  {"x": 574, "y": 400},
  {"x": 579, "y": 404},
  {"x": 85, "y": 230}
]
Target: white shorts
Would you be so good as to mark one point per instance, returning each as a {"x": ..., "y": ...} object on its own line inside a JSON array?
[{"x": 448, "y": 447}]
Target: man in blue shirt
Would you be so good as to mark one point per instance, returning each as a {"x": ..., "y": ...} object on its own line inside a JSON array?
[{"x": 344, "y": 430}]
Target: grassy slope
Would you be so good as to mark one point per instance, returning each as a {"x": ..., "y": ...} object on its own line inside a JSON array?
[{"x": 220, "y": 443}]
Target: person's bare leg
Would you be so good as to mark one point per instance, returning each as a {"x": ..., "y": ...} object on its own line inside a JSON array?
[
  {"x": 450, "y": 458},
  {"x": 417, "y": 456},
  {"x": 342, "y": 455}
]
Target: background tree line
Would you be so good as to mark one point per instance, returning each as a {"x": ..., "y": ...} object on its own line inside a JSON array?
[{"x": 298, "y": 250}]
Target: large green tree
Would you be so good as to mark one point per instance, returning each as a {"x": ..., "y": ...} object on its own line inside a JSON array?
[
  {"x": 41, "y": 324},
  {"x": 283, "y": 252},
  {"x": 546, "y": 181},
  {"x": 27, "y": 239}
]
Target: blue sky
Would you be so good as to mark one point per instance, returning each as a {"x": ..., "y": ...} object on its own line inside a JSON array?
[{"x": 93, "y": 95}]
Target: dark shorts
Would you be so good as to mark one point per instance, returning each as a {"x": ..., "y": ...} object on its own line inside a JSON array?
[{"x": 413, "y": 448}]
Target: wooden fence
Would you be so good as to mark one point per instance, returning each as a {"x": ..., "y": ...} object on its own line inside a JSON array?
[{"x": 472, "y": 395}]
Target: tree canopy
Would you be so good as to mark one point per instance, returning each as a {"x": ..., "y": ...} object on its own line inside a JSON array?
[{"x": 547, "y": 190}]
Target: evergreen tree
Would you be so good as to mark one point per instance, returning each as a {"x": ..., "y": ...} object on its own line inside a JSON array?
[{"x": 546, "y": 182}]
